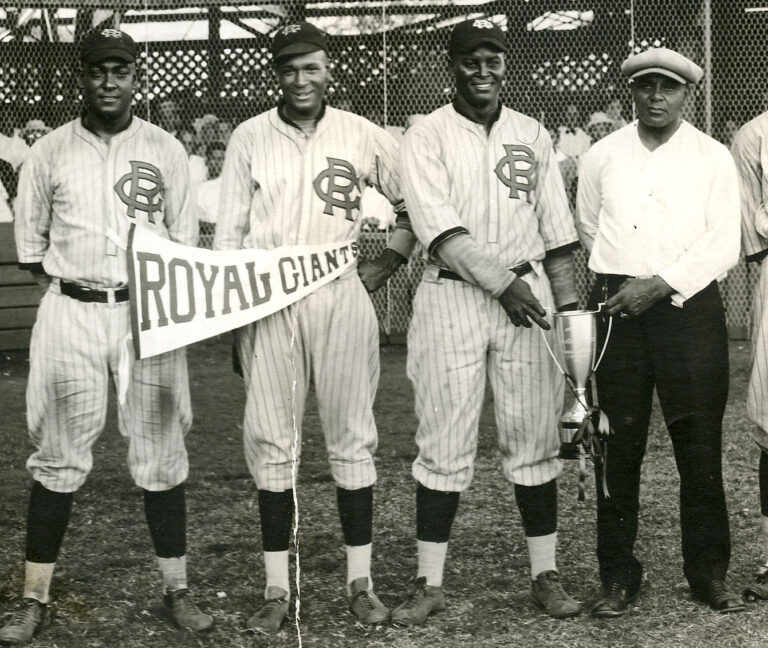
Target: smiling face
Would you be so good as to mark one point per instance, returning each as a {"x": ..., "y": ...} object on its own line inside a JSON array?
[
  {"x": 659, "y": 100},
  {"x": 303, "y": 80},
  {"x": 108, "y": 88},
  {"x": 479, "y": 75}
]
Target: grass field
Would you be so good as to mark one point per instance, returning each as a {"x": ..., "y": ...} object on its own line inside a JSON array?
[{"x": 106, "y": 589}]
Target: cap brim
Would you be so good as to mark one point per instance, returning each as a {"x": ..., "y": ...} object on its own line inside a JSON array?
[
  {"x": 471, "y": 45},
  {"x": 663, "y": 72},
  {"x": 295, "y": 49},
  {"x": 102, "y": 55}
]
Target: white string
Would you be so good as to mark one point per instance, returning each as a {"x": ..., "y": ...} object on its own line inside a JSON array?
[{"x": 294, "y": 472}]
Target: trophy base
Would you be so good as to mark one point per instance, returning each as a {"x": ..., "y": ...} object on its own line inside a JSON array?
[{"x": 570, "y": 451}]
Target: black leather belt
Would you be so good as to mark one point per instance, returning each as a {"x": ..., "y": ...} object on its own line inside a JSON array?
[
  {"x": 520, "y": 270},
  {"x": 83, "y": 294}
]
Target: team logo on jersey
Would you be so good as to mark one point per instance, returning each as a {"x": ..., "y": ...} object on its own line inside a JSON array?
[
  {"x": 112, "y": 33},
  {"x": 335, "y": 186},
  {"x": 517, "y": 170},
  {"x": 483, "y": 24},
  {"x": 145, "y": 190}
]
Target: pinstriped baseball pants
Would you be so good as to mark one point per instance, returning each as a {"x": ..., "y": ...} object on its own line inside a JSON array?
[
  {"x": 332, "y": 337},
  {"x": 460, "y": 335},
  {"x": 75, "y": 347}
]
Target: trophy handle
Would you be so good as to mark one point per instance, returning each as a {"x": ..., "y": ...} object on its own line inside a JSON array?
[{"x": 607, "y": 337}]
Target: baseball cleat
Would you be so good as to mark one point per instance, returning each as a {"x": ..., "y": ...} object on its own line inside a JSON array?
[
  {"x": 270, "y": 616},
  {"x": 547, "y": 592},
  {"x": 364, "y": 604},
  {"x": 425, "y": 600},
  {"x": 25, "y": 623},
  {"x": 185, "y": 613}
]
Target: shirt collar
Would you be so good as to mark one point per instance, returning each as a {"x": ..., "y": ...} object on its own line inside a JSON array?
[
  {"x": 128, "y": 127},
  {"x": 496, "y": 115},
  {"x": 281, "y": 113}
]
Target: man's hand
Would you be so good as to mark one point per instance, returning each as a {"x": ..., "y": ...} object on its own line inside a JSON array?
[
  {"x": 635, "y": 296},
  {"x": 520, "y": 303},
  {"x": 374, "y": 273}
]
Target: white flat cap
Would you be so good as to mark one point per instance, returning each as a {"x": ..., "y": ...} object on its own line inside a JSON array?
[{"x": 661, "y": 60}]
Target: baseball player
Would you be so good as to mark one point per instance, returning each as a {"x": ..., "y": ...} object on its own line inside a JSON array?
[
  {"x": 750, "y": 148},
  {"x": 658, "y": 210},
  {"x": 81, "y": 188},
  {"x": 487, "y": 202},
  {"x": 293, "y": 176}
]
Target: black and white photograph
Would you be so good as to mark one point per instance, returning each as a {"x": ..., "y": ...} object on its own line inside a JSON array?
[{"x": 388, "y": 323}]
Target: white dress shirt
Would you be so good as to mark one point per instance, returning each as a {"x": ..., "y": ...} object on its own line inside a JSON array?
[{"x": 672, "y": 212}]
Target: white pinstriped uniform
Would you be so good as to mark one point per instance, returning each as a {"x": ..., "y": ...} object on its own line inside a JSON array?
[
  {"x": 275, "y": 185},
  {"x": 68, "y": 200},
  {"x": 750, "y": 150},
  {"x": 457, "y": 180}
]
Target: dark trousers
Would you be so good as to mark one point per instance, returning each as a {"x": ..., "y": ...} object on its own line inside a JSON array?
[{"x": 683, "y": 353}]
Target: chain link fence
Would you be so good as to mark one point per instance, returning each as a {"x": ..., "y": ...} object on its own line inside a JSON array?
[{"x": 207, "y": 67}]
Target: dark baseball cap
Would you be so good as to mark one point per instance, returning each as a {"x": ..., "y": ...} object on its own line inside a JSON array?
[
  {"x": 299, "y": 38},
  {"x": 98, "y": 46},
  {"x": 468, "y": 35}
]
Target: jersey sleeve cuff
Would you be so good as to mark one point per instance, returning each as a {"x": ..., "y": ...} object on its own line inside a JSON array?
[
  {"x": 757, "y": 257},
  {"x": 563, "y": 249},
  {"x": 35, "y": 266},
  {"x": 444, "y": 236}
]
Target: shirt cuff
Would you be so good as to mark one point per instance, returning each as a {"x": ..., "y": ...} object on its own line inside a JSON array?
[{"x": 677, "y": 279}]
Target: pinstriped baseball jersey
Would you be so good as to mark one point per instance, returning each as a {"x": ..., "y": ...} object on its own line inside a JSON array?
[
  {"x": 281, "y": 186},
  {"x": 504, "y": 188},
  {"x": 285, "y": 188},
  {"x": 750, "y": 150},
  {"x": 74, "y": 187}
]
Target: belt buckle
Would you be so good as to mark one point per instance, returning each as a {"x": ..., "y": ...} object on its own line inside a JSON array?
[{"x": 111, "y": 301}]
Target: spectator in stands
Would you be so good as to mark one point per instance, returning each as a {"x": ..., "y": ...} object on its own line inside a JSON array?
[
  {"x": 613, "y": 110},
  {"x": 568, "y": 166},
  {"x": 197, "y": 169},
  {"x": 225, "y": 130},
  {"x": 208, "y": 192},
  {"x": 572, "y": 139},
  {"x": 169, "y": 117},
  {"x": 599, "y": 125},
  {"x": 34, "y": 130},
  {"x": 13, "y": 149}
]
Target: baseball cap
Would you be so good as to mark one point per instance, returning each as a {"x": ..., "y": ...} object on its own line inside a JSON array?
[
  {"x": 469, "y": 34},
  {"x": 98, "y": 46},
  {"x": 661, "y": 60},
  {"x": 299, "y": 38}
]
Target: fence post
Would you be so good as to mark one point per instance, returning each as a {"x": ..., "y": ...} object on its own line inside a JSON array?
[{"x": 708, "y": 66}]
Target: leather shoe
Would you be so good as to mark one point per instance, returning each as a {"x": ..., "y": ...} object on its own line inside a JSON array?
[
  {"x": 716, "y": 594},
  {"x": 615, "y": 602}
]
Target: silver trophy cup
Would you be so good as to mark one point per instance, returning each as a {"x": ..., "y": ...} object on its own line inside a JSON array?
[{"x": 577, "y": 333}]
